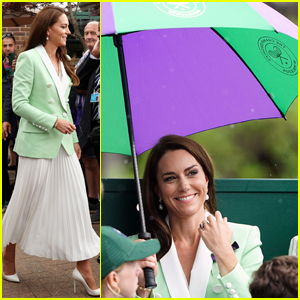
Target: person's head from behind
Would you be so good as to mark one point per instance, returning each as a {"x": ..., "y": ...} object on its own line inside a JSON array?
[
  {"x": 119, "y": 269},
  {"x": 91, "y": 33},
  {"x": 8, "y": 44},
  {"x": 277, "y": 278},
  {"x": 49, "y": 25}
]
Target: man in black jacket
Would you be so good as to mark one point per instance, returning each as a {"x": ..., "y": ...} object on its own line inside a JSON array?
[
  {"x": 89, "y": 123},
  {"x": 9, "y": 131}
]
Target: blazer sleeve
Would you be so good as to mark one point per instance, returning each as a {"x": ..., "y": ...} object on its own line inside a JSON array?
[
  {"x": 85, "y": 70},
  {"x": 22, "y": 89},
  {"x": 74, "y": 133},
  {"x": 238, "y": 280}
]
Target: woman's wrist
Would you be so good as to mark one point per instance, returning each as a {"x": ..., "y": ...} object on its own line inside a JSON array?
[
  {"x": 226, "y": 262},
  {"x": 143, "y": 292},
  {"x": 55, "y": 124},
  {"x": 144, "y": 289}
]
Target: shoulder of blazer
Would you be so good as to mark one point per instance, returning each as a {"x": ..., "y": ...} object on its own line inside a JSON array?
[
  {"x": 29, "y": 53},
  {"x": 32, "y": 55},
  {"x": 241, "y": 228}
]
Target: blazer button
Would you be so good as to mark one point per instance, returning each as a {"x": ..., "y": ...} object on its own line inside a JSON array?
[
  {"x": 46, "y": 129},
  {"x": 235, "y": 296},
  {"x": 228, "y": 285},
  {"x": 156, "y": 295},
  {"x": 49, "y": 85},
  {"x": 217, "y": 288},
  {"x": 64, "y": 115},
  {"x": 40, "y": 126},
  {"x": 232, "y": 292},
  {"x": 71, "y": 83},
  {"x": 51, "y": 101},
  {"x": 33, "y": 124},
  {"x": 55, "y": 115}
]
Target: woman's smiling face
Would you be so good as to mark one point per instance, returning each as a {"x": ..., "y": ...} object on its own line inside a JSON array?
[
  {"x": 59, "y": 31},
  {"x": 182, "y": 184}
]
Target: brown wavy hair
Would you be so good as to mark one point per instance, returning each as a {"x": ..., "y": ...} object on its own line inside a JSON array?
[
  {"x": 155, "y": 218},
  {"x": 277, "y": 278},
  {"x": 46, "y": 18}
]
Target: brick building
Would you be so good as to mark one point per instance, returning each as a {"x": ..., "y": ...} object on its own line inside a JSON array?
[{"x": 20, "y": 33}]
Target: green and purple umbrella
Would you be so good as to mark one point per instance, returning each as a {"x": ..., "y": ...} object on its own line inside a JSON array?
[{"x": 193, "y": 66}]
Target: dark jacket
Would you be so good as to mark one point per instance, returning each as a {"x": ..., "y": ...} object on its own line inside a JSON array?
[
  {"x": 7, "y": 113},
  {"x": 86, "y": 73}
]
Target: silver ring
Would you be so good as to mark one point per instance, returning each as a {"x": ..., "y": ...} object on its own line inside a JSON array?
[{"x": 202, "y": 224}]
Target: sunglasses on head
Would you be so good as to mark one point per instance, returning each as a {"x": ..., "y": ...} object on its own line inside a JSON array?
[{"x": 9, "y": 35}]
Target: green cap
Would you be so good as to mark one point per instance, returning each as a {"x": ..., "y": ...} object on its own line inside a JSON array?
[{"x": 117, "y": 248}]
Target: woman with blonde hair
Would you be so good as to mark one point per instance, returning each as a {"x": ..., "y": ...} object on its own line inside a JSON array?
[{"x": 48, "y": 213}]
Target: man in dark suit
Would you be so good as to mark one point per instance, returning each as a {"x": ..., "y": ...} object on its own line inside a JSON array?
[
  {"x": 81, "y": 112},
  {"x": 89, "y": 75}
]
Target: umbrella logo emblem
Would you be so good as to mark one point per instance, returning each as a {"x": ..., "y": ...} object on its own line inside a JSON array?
[
  {"x": 278, "y": 55},
  {"x": 181, "y": 9}
]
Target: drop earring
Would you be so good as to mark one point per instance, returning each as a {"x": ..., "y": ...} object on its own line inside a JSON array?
[
  {"x": 207, "y": 197},
  {"x": 47, "y": 38},
  {"x": 160, "y": 206}
]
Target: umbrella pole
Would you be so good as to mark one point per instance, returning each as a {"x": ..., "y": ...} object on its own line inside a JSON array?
[{"x": 118, "y": 42}]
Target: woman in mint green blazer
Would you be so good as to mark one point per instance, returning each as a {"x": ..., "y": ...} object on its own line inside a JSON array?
[
  {"x": 202, "y": 255},
  {"x": 48, "y": 213}
]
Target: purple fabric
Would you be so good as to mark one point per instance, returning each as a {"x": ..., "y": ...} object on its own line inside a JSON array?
[
  {"x": 107, "y": 19},
  {"x": 188, "y": 91},
  {"x": 278, "y": 21}
]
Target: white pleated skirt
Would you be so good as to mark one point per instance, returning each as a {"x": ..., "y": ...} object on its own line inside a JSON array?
[{"x": 48, "y": 212}]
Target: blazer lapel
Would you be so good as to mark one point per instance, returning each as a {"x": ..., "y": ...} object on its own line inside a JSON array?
[
  {"x": 59, "y": 87},
  {"x": 200, "y": 272},
  {"x": 174, "y": 274},
  {"x": 64, "y": 78}
]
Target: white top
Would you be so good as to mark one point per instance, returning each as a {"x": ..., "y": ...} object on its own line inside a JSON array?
[{"x": 175, "y": 277}]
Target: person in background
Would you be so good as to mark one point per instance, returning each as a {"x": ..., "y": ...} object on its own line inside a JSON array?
[
  {"x": 6, "y": 188},
  {"x": 89, "y": 74},
  {"x": 277, "y": 278},
  {"x": 8, "y": 46},
  {"x": 293, "y": 249},
  {"x": 80, "y": 106},
  {"x": 120, "y": 265},
  {"x": 9, "y": 119},
  {"x": 202, "y": 254}
]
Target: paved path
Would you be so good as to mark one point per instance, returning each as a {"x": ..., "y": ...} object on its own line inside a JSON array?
[{"x": 45, "y": 278}]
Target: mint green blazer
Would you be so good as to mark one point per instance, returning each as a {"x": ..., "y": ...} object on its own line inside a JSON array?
[
  {"x": 39, "y": 97},
  {"x": 236, "y": 283}
]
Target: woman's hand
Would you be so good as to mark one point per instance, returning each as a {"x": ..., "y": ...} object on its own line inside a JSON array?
[
  {"x": 65, "y": 126},
  {"x": 217, "y": 236},
  {"x": 77, "y": 150},
  {"x": 150, "y": 262}
]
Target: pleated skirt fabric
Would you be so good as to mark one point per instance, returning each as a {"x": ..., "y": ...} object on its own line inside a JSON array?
[{"x": 48, "y": 212}]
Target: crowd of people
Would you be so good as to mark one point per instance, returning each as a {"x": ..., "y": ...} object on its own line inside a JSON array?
[{"x": 55, "y": 199}]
